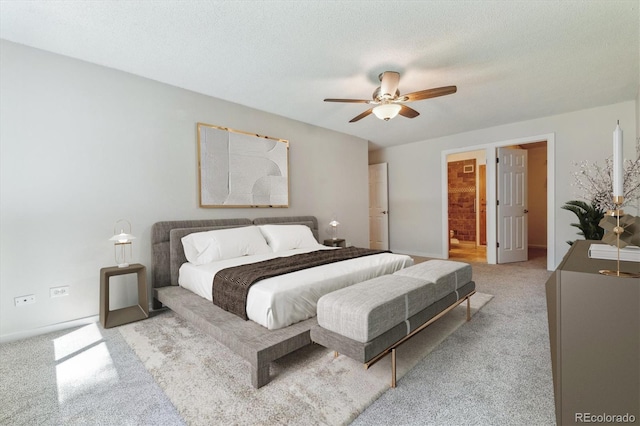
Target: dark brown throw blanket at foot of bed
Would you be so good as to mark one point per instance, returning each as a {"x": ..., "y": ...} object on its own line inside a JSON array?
[{"x": 231, "y": 285}]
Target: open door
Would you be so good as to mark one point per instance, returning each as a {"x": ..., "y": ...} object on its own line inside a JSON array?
[
  {"x": 512, "y": 209},
  {"x": 378, "y": 207}
]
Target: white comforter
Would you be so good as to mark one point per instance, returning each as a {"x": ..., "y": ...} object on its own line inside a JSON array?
[{"x": 284, "y": 300}]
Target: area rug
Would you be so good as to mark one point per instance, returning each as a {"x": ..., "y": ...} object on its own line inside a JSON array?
[{"x": 209, "y": 384}]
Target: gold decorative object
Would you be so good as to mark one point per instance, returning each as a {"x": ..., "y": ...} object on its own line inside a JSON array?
[
  {"x": 620, "y": 230},
  {"x": 629, "y": 233}
]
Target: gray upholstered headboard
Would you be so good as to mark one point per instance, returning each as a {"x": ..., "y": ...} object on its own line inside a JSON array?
[
  {"x": 166, "y": 245},
  {"x": 310, "y": 221}
]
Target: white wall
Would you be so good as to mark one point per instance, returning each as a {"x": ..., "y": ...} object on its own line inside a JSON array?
[
  {"x": 415, "y": 176},
  {"x": 83, "y": 146},
  {"x": 479, "y": 156}
]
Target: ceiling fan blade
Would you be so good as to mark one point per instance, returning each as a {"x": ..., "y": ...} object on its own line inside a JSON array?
[
  {"x": 429, "y": 93},
  {"x": 389, "y": 83},
  {"x": 405, "y": 111},
  {"x": 352, "y": 101},
  {"x": 361, "y": 116}
]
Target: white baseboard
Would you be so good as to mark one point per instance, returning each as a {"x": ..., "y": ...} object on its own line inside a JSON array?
[{"x": 47, "y": 329}]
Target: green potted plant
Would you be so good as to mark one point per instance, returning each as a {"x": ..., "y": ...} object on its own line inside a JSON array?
[{"x": 589, "y": 216}]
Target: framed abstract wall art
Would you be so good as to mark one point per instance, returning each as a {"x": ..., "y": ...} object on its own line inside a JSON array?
[{"x": 241, "y": 169}]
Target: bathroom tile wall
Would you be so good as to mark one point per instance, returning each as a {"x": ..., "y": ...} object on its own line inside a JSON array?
[{"x": 462, "y": 193}]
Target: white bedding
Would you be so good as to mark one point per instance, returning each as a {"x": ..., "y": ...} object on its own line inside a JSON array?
[{"x": 284, "y": 300}]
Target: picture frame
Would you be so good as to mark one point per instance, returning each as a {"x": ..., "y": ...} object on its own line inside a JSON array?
[{"x": 241, "y": 169}]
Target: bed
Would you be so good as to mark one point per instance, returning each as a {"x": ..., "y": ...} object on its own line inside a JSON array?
[{"x": 266, "y": 336}]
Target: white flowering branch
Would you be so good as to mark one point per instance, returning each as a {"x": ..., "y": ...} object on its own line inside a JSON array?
[{"x": 595, "y": 183}]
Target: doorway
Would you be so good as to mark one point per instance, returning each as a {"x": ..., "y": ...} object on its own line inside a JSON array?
[
  {"x": 541, "y": 230},
  {"x": 466, "y": 189},
  {"x": 378, "y": 207}
]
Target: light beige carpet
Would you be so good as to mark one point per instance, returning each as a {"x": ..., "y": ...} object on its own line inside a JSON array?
[{"x": 209, "y": 384}]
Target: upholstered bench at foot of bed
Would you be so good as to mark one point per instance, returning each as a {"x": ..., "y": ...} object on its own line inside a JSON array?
[{"x": 368, "y": 320}]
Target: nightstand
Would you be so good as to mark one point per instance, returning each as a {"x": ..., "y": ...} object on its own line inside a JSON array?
[
  {"x": 338, "y": 242},
  {"x": 129, "y": 314}
]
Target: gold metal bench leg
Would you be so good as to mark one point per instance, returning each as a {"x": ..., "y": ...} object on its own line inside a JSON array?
[
  {"x": 393, "y": 367},
  {"x": 393, "y": 347}
]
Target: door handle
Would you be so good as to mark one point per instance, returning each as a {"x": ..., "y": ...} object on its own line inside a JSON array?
[
  {"x": 384, "y": 212},
  {"x": 526, "y": 211}
]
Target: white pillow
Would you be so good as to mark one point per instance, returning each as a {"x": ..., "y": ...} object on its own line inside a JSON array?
[
  {"x": 220, "y": 244},
  {"x": 288, "y": 237},
  {"x": 198, "y": 247}
]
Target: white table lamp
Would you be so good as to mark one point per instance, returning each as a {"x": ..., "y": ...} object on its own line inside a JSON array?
[
  {"x": 122, "y": 240},
  {"x": 334, "y": 225}
]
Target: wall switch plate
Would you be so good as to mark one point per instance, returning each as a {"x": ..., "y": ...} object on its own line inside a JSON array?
[
  {"x": 59, "y": 291},
  {"x": 25, "y": 300}
]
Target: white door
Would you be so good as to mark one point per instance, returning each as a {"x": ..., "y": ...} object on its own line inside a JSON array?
[
  {"x": 512, "y": 205},
  {"x": 378, "y": 207}
]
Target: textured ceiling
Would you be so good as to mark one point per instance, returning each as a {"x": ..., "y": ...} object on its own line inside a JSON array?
[{"x": 511, "y": 60}]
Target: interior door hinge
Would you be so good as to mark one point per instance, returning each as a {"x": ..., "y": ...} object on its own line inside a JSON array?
[
  {"x": 497, "y": 202},
  {"x": 497, "y": 244},
  {"x": 498, "y": 160}
]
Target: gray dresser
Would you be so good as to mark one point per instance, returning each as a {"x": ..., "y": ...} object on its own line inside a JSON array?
[{"x": 594, "y": 327}]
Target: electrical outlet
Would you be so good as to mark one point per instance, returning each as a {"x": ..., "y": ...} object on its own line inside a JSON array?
[
  {"x": 25, "y": 300},
  {"x": 59, "y": 291}
]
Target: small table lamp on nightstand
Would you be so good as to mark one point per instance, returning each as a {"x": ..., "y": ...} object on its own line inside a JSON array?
[
  {"x": 334, "y": 231},
  {"x": 131, "y": 313},
  {"x": 123, "y": 239},
  {"x": 335, "y": 241}
]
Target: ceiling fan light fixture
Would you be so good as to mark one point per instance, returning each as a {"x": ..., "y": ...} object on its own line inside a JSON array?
[
  {"x": 386, "y": 111},
  {"x": 388, "y": 102}
]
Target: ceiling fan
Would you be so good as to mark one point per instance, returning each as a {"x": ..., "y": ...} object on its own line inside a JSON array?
[{"x": 388, "y": 102}]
